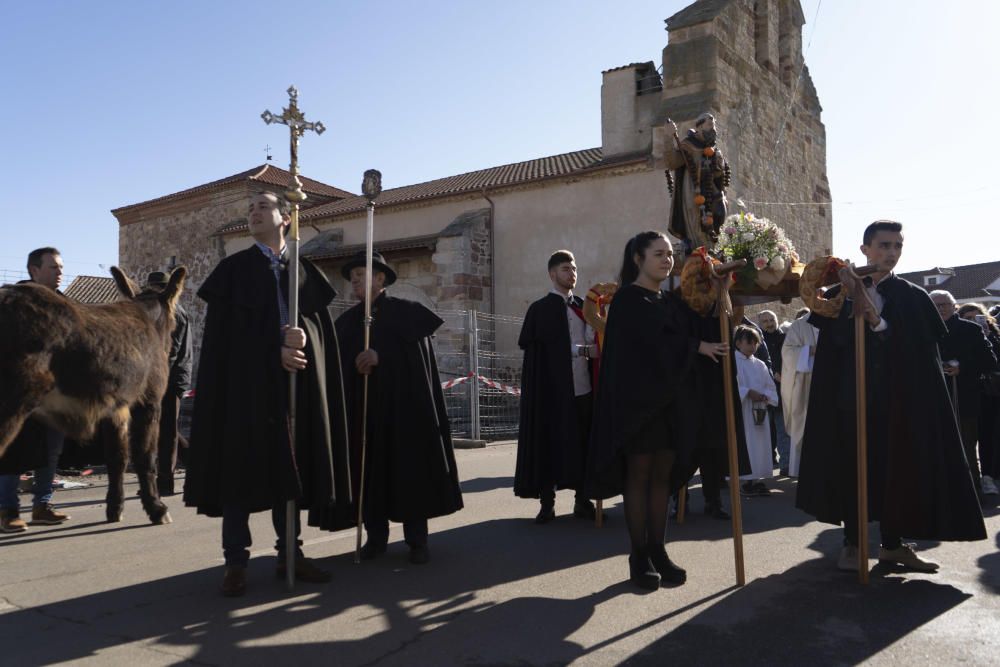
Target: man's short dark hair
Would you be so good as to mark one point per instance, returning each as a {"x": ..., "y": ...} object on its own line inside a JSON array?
[
  {"x": 36, "y": 256},
  {"x": 284, "y": 206},
  {"x": 560, "y": 257},
  {"x": 880, "y": 226},
  {"x": 743, "y": 332}
]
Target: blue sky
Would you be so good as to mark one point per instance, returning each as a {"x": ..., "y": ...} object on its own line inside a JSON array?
[{"x": 110, "y": 103}]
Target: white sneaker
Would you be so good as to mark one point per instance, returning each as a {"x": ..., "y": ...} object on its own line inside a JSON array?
[
  {"x": 990, "y": 486},
  {"x": 848, "y": 560},
  {"x": 907, "y": 558}
]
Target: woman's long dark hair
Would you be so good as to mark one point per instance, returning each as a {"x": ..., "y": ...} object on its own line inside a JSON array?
[{"x": 636, "y": 245}]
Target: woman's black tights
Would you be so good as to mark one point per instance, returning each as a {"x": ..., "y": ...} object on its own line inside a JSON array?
[{"x": 647, "y": 496}]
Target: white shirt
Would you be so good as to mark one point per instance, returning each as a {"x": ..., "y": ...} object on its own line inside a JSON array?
[
  {"x": 580, "y": 333},
  {"x": 879, "y": 301}
]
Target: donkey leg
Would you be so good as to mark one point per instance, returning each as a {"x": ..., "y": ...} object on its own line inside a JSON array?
[
  {"x": 113, "y": 433},
  {"x": 143, "y": 436}
]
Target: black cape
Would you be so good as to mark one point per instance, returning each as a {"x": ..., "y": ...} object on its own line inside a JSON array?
[
  {"x": 548, "y": 444},
  {"x": 647, "y": 364},
  {"x": 240, "y": 447},
  {"x": 918, "y": 477},
  {"x": 410, "y": 470},
  {"x": 966, "y": 343}
]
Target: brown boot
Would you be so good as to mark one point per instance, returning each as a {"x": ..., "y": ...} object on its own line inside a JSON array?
[
  {"x": 234, "y": 582},
  {"x": 11, "y": 522},
  {"x": 305, "y": 570},
  {"x": 44, "y": 515}
]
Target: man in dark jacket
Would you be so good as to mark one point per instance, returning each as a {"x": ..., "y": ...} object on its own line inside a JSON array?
[
  {"x": 408, "y": 461},
  {"x": 556, "y": 400},
  {"x": 178, "y": 383},
  {"x": 967, "y": 355},
  {"x": 919, "y": 484},
  {"x": 241, "y": 458},
  {"x": 774, "y": 339},
  {"x": 37, "y": 447}
]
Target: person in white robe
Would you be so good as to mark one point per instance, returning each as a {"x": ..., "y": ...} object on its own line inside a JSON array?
[
  {"x": 796, "y": 374},
  {"x": 757, "y": 391}
]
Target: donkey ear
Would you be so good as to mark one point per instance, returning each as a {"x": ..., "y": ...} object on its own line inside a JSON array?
[
  {"x": 124, "y": 283},
  {"x": 175, "y": 286}
]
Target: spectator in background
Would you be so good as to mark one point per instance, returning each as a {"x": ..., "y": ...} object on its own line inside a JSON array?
[
  {"x": 989, "y": 414},
  {"x": 774, "y": 339},
  {"x": 178, "y": 383},
  {"x": 967, "y": 356},
  {"x": 797, "y": 364},
  {"x": 45, "y": 266}
]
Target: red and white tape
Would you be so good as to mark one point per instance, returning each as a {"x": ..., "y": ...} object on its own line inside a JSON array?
[{"x": 493, "y": 384}]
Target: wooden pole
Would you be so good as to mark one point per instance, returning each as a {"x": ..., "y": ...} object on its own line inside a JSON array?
[
  {"x": 682, "y": 501},
  {"x": 861, "y": 408},
  {"x": 734, "y": 461}
]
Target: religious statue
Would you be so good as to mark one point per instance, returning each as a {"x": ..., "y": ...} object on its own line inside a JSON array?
[{"x": 698, "y": 184}]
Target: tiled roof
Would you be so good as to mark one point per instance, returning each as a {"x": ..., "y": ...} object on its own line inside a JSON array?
[
  {"x": 92, "y": 289},
  {"x": 555, "y": 166},
  {"x": 266, "y": 173},
  {"x": 967, "y": 282},
  {"x": 697, "y": 12},
  {"x": 428, "y": 241}
]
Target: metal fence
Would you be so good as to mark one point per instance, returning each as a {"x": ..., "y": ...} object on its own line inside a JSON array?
[{"x": 480, "y": 367}]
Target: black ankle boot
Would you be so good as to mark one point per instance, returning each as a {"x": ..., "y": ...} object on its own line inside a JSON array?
[
  {"x": 641, "y": 570},
  {"x": 668, "y": 571}
]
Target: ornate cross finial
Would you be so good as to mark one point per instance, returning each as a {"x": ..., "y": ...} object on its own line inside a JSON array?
[{"x": 297, "y": 126}]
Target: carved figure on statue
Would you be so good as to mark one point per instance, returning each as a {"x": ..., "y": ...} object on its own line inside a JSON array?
[{"x": 698, "y": 183}]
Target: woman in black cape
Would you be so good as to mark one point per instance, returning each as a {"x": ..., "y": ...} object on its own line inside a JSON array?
[{"x": 643, "y": 403}]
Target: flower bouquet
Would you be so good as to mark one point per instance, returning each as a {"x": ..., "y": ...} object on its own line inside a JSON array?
[{"x": 768, "y": 252}]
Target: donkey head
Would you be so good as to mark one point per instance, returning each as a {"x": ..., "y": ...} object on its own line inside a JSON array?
[{"x": 159, "y": 303}]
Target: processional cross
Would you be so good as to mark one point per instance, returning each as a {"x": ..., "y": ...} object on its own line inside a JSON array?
[{"x": 297, "y": 126}]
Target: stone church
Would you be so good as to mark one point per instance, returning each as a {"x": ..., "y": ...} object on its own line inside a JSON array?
[{"x": 480, "y": 240}]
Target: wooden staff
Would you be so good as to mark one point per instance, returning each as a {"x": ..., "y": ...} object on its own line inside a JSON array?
[
  {"x": 682, "y": 502},
  {"x": 851, "y": 276},
  {"x": 721, "y": 274}
]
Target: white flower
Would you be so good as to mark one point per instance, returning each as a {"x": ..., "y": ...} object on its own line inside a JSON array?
[
  {"x": 760, "y": 263},
  {"x": 778, "y": 263},
  {"x": 748, "y": 236}
]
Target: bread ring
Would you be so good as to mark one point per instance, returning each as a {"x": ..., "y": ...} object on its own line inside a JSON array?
[
  {"x": 819, "y": 272},
  {"x": 697, "y": 288}
]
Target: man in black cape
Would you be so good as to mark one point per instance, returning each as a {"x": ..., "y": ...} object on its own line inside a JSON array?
[
  {"x": 919, "y": 484},
  {"x": 410, "y": 472},
  {"x": 241, "y": 458},
  {"x": 967, "y": 356},
  {"x": 556, "y": 397}
]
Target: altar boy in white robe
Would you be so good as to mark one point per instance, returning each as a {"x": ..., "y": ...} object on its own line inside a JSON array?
[{"x": 757, "y": 391}]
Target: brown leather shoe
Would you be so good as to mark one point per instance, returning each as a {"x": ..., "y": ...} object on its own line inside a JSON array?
[
  {"x": 305, "y": 570},
  {"x": 44, "y": 515},
  {"x": 234, "y": 582},
  {"x": 11, "y": 522}
]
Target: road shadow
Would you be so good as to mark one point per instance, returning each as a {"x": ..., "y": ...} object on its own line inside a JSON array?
[
  {"x": 809, "y": 613},
  {"x": 481, "y": 484},
  {"x": 989, "y": 567}
]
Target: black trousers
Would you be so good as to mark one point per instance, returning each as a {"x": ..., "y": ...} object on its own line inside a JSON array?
[
  {"x": 414, "y": 531},
  {"x": 584, "y": 408},
  {"x": 166, "y": 457}
]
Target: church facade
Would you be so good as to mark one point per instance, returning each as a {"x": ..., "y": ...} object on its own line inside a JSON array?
[{"x": 481, "y": 240}]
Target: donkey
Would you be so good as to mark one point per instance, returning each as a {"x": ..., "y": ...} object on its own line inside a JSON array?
[{"x": 84, "y": 369}]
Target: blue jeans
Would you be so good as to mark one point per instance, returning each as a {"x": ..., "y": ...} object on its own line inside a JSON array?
[
  {"x": 42, "y": 488},
  {"x": 236, "y": 539}
]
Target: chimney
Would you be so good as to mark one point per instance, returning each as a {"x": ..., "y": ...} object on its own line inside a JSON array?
[{"x": 630, "y": 96}]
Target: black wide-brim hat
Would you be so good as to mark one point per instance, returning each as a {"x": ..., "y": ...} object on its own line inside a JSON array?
[
  {"x": 378, "y": 264},
  {"x": 157, "y": 279}
]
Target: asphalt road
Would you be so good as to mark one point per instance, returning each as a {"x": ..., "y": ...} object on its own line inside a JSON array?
[{"x": 499, "y": 590}]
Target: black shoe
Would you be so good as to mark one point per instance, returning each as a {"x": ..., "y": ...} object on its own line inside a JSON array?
[
  {"x": 584, "y": 509},
  {"x": 715, "y": 511},
  {"x": 668, "y": 571},
  {"x": 545, "y": 514},
  {"x": 641, "y": 571},
  {"x": 234, "y": 582},
  {"x": 760, "y": 489},
  {"x": 420, "y": 555},
  {"x": 371, "y": 551}
]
